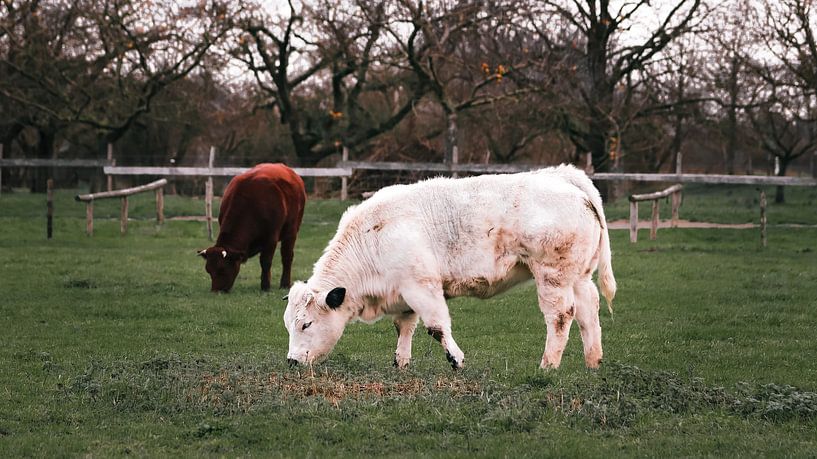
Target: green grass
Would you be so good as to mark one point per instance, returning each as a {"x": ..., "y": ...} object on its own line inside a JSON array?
[{"x": 113, "y": 346}]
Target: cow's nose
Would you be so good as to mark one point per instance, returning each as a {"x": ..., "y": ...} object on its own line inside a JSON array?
[{"x": 292, "y": 362}]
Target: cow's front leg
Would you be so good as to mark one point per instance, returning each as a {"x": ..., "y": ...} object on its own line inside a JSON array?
[
  {"x": 266, "y": 265},
  {"x": 428, "y": 302},
  {"x": 405, "y": 324}
]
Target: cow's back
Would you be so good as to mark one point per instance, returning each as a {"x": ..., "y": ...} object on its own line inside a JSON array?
[
  {"x": 471, "y": 228},
  {"x": 259, "y": 202}
]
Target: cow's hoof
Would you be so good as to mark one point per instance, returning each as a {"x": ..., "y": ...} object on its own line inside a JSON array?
[
  {"x": 593, "y": 364},
  {"x": 401, "y": 362},
  {"x": 455, "y": 364}
]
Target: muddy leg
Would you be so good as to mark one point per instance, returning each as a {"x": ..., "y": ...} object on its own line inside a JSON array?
[
  {"x": 405, "y": 324},
  {"x": 428, "y": 302},
  {"x": 587, "y": 315},
  {"x": 556, "y": 304}
]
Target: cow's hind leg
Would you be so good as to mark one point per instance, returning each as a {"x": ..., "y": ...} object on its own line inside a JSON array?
[
  {"x": 266, "y": 265},
  {"x": 556, "y": 303},
  {"x": 287, "y": 255},
  {"x": 405, "y": 324},
  {"x": 428, "y": 302},
  {"x": 587, "y": 315}
]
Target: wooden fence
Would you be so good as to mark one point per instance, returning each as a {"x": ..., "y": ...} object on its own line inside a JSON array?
[
  {"x": 674, "y": 191},
  {"x": 89, "y": 199},
  {"x": 211, "y": 172},
  {"x": 607, "y": 176},
  {"x": 345, "y": 168}
]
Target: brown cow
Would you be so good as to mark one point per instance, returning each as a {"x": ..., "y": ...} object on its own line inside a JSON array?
[{"x": 260, "y": 207}]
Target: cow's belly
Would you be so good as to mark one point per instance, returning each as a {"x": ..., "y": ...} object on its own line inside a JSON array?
[{"x": 485, "y": 286}]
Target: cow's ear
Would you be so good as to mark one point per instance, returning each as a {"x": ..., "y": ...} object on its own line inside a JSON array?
[{"x": 335, "y": 297}]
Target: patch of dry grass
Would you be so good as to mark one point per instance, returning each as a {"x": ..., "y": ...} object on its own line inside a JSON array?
[{"x": 245, "y": 388}]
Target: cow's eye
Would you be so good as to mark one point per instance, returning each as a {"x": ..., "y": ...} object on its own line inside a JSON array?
[{"x": 306, "y": 325}]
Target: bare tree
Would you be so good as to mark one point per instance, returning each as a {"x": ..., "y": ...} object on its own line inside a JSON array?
[
  {"x": 731, "y": 39},
  {"x": 664, "y": 103},
  {"x": 98, "y": 64},
  {"x": 607, "y": 61},
  {"x": 470, "y": 55},
  {"x": 786, "y": 119},
  {"x": 335, "y": 48},
  {"x": 785, "y": 123}
]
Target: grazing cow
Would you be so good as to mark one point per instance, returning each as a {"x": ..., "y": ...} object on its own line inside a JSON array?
[
  {"x": 409, "y": 247},
  {"x": 260, "y": 207}
]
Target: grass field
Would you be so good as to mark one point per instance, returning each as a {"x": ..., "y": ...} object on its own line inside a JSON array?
[{"x": 113, "y": 346}]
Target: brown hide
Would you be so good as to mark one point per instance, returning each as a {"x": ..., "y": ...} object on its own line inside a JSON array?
[{"x": 260, "y": 207}]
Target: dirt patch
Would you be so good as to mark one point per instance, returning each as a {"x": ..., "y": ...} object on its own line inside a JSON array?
[{"x": 243, "y": 389}]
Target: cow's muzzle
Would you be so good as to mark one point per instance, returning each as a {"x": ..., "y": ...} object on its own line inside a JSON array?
[{"x": 292, "y": 362}]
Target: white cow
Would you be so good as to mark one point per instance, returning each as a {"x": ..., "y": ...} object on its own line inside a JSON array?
[{"x": 406, "y": 249}]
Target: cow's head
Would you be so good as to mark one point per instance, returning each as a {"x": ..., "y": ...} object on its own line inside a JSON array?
[
  {"x": 315, "y": 321},
  {"x": 222, "y": 265}
]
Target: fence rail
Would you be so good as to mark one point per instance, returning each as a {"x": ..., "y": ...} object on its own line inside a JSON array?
[
  {"x": 220, "y": 171},
  {"x": 674, "y": 191},
  {"x": 89, "y": 199},
  {"x": 42, "y": 162},
  {"x": 611, "y": 176}
]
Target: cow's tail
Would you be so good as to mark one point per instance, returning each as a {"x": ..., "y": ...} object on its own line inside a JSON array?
[{"x": 607, "y": 281}]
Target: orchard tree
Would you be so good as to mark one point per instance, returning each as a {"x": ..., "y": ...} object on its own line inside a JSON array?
[
  {"x": 472, "y": 55},
  {"x": 98, "y": 64},
  {"x": 328, "y": 71},
  {"x": 610, "y": 53}
]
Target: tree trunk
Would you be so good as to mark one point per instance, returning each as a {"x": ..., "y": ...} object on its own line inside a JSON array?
[
  {"x": 45, "y": 150},
  {"x": 596, "y": 142},
  {"x": 779, "y": 195},
  {"x": 734, "y": 160},
  {"x": 451, "y": 147}
]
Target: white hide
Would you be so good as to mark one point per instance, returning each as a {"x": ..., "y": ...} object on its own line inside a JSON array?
[{"x": 408, "y": 247}]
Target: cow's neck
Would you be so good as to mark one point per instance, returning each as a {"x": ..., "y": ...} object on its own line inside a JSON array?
[{"x": 233, "y": 241}]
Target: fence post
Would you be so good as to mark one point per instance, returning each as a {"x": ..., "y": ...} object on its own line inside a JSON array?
[
  {"x": 679, "y": 159},
  {"x": 49, "y": 208},
  {"x": 763, "y": 217},
  {"x": 633, "y": 221},
  {"x": 208, "y": 195},
  {"x": 1, "y": 169},
  {"x": 111, "y": 162},
  {"x": 654, "y": 225},
  {"x": 123, "y": 216},
  {"x": 89, "y": 218},
  {"x": 344, "y": 182},
  {"x": 676, "y": 203},
  {"x": 160, "y": 205}
]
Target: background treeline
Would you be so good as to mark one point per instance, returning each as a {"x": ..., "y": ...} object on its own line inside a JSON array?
[{"x": 728, "y": 86}]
